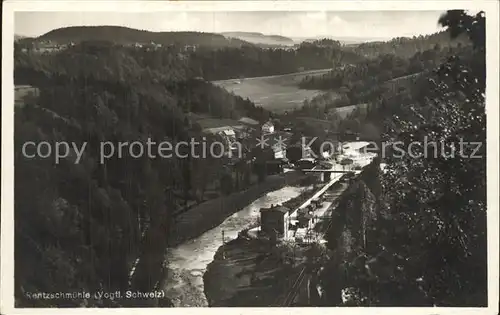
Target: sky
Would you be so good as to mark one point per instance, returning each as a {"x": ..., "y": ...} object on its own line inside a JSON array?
[{"x": 352, "y": 24}]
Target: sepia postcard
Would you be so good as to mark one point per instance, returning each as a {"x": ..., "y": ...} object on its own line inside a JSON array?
[{"x": 238, "y": 156}]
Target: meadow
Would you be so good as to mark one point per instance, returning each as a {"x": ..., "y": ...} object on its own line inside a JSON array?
[{"x": 275, "y": 93}]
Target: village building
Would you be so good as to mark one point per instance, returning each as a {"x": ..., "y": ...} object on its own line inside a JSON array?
[
  {"x": 154, "y": 46},
  {"x": 244, "y": 132},
  {"x": 267, "y": 128},
  {"x": 226, "y": 135}
]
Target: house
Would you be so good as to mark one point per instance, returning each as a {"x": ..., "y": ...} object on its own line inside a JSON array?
[
  {"x": 275, "y": 220},
  {"x": 267, "y": 128},
  {"x": 245, "y": 132},
  {"x": 249, "y": 121},
  {"x": 228, "y": 134},
  {"x": 48, "y": 47},
  {"x": 278, "y": 152},
  {"x": 229, "y": 138},
  {"x": 189, "y": 48},
  {"x": 155, "y": 45},
  {"x": 278, "y": 142},
  {"x": 331, "y": 147}
]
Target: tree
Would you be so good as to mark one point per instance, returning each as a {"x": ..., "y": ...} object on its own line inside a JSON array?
[{"x": 436, "y": 204}]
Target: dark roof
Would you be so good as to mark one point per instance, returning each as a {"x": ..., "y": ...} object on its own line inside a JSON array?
[
  {"x": 281, "y": 209},
  {"x": 307, "y": 216}
]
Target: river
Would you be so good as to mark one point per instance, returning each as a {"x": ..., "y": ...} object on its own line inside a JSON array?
[{"x": 188, "y": 261}]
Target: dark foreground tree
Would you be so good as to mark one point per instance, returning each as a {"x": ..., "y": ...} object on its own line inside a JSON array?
[
  {"x": 437, "y": 201},
  {"x": 430, "y": 242}
]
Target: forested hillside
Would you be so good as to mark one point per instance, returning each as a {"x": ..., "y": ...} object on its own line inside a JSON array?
[
  {"x": 158, "y": 74},
  {"x": 370, "y": 82},
  {"x": 93, "y": 220},
  {"x": 173, "y": 62},
  {"x": 82, "y": 224},
  {"x": 125, "y": 35},
  {"x": 251, "y": 61},
  {"x": 361, "y": 76}
]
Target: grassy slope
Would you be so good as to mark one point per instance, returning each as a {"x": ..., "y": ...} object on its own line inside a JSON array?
[{"x": 276, "y": 93}]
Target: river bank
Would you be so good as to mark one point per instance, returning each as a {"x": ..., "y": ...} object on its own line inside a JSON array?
[{"x": 251, "y": 273}]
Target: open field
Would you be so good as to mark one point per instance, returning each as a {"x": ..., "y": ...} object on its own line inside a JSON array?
[{"x": 276, "y": 93}]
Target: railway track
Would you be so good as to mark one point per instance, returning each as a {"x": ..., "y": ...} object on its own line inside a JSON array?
[{"x": 287, "y": 298}]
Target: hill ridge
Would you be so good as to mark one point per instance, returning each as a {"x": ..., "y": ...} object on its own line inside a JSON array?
[{"x": 127, "y": 35}]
